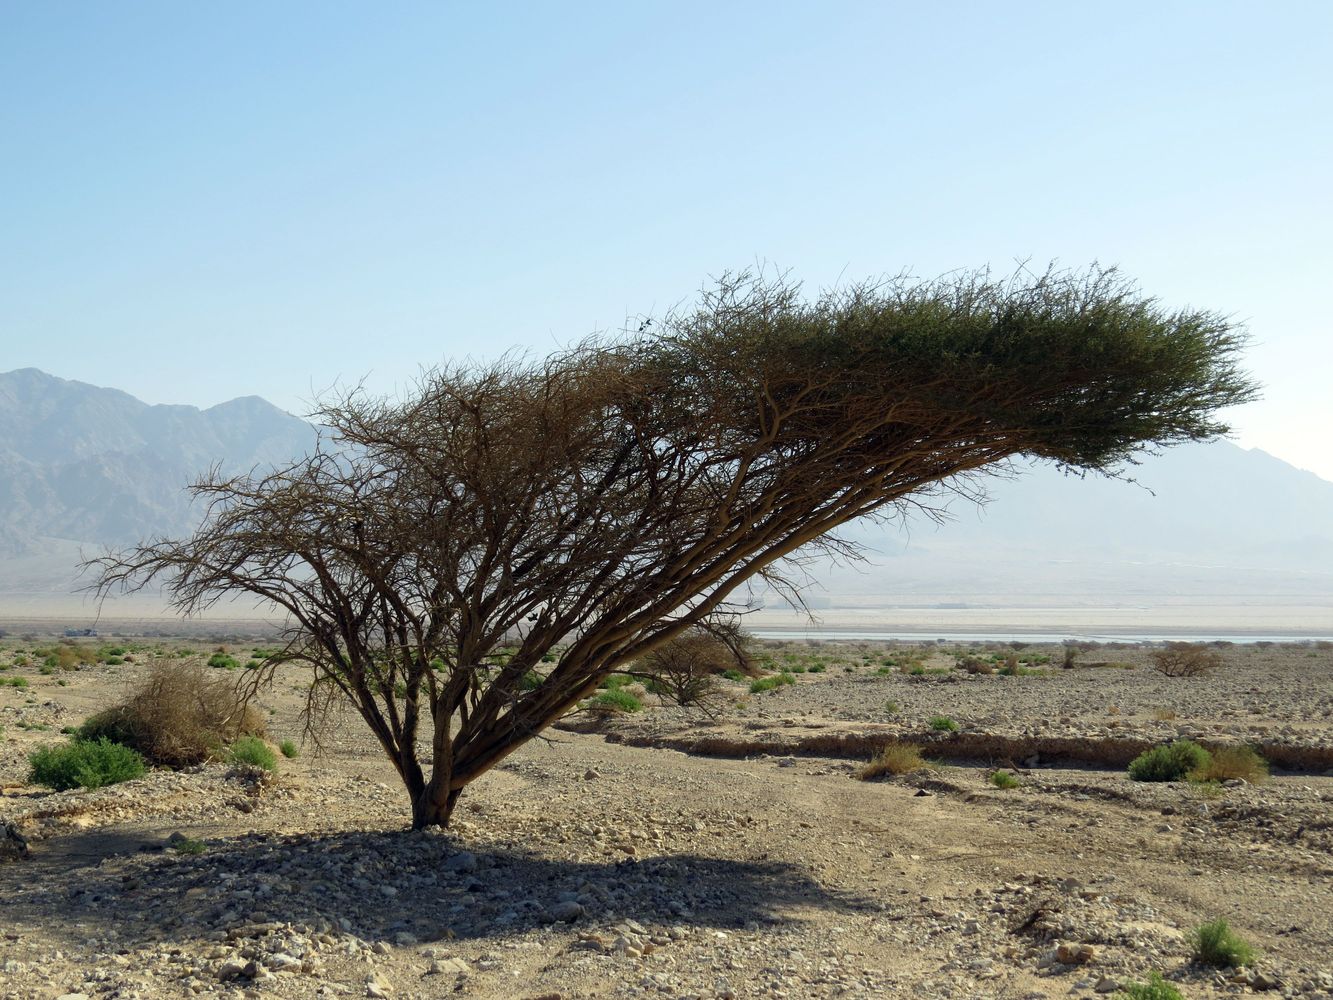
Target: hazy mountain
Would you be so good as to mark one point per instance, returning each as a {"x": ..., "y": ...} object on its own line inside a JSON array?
[
  {"x": 83, "y": 466},
  {"x": 1200, "y": 520}
]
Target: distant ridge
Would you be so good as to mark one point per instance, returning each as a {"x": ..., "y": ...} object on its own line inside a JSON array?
[{"x": 86, "y": 466}]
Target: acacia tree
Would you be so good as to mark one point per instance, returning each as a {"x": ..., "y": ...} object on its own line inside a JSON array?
[{"x": 601, "y": 502}]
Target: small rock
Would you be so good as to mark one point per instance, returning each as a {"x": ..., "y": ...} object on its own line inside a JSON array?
[
  {"x": 564, "y": 912},
  {"x": 590, "y": 775},
  {"x": 1075, "y": 954},
  {"x": 463, "y": 861}
]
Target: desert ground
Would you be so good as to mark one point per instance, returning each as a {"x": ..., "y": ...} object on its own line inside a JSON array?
[{"x": 671, "y": 853}]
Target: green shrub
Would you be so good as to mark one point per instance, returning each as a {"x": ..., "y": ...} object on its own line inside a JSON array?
[
  {"x": 1169, "y": 763},
  {"x": 531, "y": 681},
  {"x": 816, "y": 668},
  {"x": 771, "y": 682},
  {"x": 254, "y": 751},
  {"x": 288, "y": 749},
  {"x": 943, "y": 724},
  {"x": 223, "y": 661},
  {"x": 14, "y": 682},
  {"x": 733, "y": 675},
  {"x": 1004, "y": 780},
  {"x": 84, "y": 764},
  {"x": 615, "y": 682},
  {"x": 1216, "y": 944},
  {"x": 1156, "y": 988},
  {"x": 186, "y": 845},
  {"x": 891, "y": 707},
  {"x": 613, "y": 701}
]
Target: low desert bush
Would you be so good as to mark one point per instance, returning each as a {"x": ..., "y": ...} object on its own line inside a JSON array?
[
  {"x": 1156, "y": 988},
  {"x": 613, "y": 701},
  {"x": 943, "y": 724},
  {"x": 14, "y": 682},
  {"x": 1169, "y": 763},
  {"x": 771, "y": 682},
  {"x": 976, "y": 665},
  {"x": 1216, "y": 944},
  {"x": 894, "y": 758},
  {"x": 223, "y": 662},
  {"x": 1226, "y": 763},
  {"x": 179, "y": 715},
  {"x": 1004, "y": 780},
  {"x": 288, "y": 749},
  {"x": 1185, "y": 659},
  {"x": 1164, "y": 714},
  {"x": 84, "y": 764},
  {"x": 253, "y": 751}
]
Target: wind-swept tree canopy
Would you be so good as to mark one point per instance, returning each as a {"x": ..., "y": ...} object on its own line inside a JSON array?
[{"x": 602, "y": 501}]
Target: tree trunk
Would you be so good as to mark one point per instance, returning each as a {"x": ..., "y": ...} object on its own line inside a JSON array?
[{"x": 435, "y": 804}]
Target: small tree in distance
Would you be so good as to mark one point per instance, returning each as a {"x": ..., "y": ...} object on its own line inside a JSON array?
[{"x": 609, "y": 498}]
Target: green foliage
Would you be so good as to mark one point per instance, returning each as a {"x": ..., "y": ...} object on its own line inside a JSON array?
[
  {"x": 1156, "y": 988},
  {"x": 1169, "y": 763},
  {"x": 615, "y": 682},
  {"x": 614, "y": 700},
  {"x": 288, "y": 749},
  {"x": 254, "y": 751},
  {"x": 943, "y": 724},
  {"x": 733, "y": 674},
  {"x": 14, "y": 682},
  {"x": 891, "y": 707},
  {"x": 186, "y": 845},
  {"x": 1004, "y": 780},
  {"x": 530, "y": 681},
  {"x": 85, "y": 764},
  {"x": 771, "y": 682},
  {"x": 223, "y": 661},
  {"x": 1216, "y": 944}
]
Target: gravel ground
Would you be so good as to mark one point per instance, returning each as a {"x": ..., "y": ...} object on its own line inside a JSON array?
[{"x": 584, "y": 868}]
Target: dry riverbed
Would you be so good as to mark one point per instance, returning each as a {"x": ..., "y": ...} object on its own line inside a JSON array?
[{"x": 665, "y": 854}]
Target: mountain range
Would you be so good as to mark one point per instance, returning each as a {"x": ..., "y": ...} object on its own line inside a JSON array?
[{"x": 83, "y": 467}]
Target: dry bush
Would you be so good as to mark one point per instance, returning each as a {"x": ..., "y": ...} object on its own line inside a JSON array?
[
  {"x": 895, "y": 758},
  {"x": 1185, "y": 659},
  {"x": 1164, "y": 714},
  {"x": 976, "y": 665},
  {"x": 684, "y": 668},
  {"x": 1228, "y": 763},
  {"x": 179, "y": 715}
]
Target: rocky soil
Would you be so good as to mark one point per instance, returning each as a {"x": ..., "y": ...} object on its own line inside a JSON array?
[{"x": 585, "y": 867}]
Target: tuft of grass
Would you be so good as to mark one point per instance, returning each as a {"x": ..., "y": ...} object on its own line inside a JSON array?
[
  {"x": 1216, "y": 944},
  {"x": 223, "y": 662},
  {"x": 771, "y": 682},
  {"x": 14, "y": 682},
  {"x": 254, "y": 751},
  {"x": 891, "y": 707},
  {"x": 84, "y": 764},
  {"x": 894, "y": 758},
  {"x": 733, "y": 674},
  {"x": 1156, "y": 988},
  {"x": 187, "y": 845},
  {"x": 530, "y": 681},
  {"x": 1164, "y": 714},
  {"x": 614, "y": 700},
  {"x": 288, "y": 749},
  {"x": 943, "y": 724},
  {"x": 1004, "y": 780},
  {"x": 1226, "y": 763},
  {"x": 1169, "y": 763}
]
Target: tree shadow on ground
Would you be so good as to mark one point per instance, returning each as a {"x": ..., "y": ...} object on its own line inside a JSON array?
[{"x": 381, "y": 886}]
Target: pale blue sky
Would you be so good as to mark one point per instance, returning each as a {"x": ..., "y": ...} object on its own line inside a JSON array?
[{"x": 205, "y": 201}]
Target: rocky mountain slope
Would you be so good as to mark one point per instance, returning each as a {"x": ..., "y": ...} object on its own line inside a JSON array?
[{"x": 85, "y": 467}]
